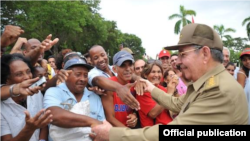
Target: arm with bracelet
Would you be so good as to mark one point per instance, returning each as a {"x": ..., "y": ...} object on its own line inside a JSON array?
[
  {"x": 18, "y": 89},
  {"x": 9, "y": 91}
]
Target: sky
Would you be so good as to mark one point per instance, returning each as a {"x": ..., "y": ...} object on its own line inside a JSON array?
[{"x": 148, "y": 19}]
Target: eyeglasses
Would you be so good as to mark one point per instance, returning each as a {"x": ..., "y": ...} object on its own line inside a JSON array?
[
  {"x": 154, "y": 61},
  {"x": 182, "y": 54}
]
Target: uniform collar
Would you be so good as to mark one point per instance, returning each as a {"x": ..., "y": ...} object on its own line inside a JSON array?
[{"x": 197, "y": 84}]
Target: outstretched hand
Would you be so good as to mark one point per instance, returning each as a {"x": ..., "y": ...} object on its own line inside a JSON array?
[
  {"x": 97, "y": 90},
  {"x": 149, "y": 86},
  {"x": 140, "y": 87},
  {"x": 48, "y": 43},
  {"x": 10, "y": 35},
  {"x": 126, "y": 96},
  {"x": 40, "y": 120},
  {"x": 101, "y": 132},
  {"x": 62, "y": 76},
  {"x": 18, "y": 45},
  {"x": 172, "y": 84},
  {"x": 23, "y": 88}
]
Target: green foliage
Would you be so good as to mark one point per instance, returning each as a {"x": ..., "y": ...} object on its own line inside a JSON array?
[
  {"x": 183, "y": 18},
  {"x": 77, "y": 24},
  {"x": 236, "y": 45},
  {"x": 234, "y": 56},
  {"x": 221, "y": 30},
  {"x": 247, "y": 22},
  {"x": 134, "y": 43}
]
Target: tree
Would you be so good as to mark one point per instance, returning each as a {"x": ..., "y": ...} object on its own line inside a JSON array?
[
  {"x": 182, "y": 18},
  {"x": 134, "y": 43},
  {"x": 77, "y": 24},
  {"x": 247, "y": 22},
  {"x": 234, "y": 56},
  {"x": 221, "y": 30},
  {"x": 236, "y": 45},
  {"x": 8, "y": 12}
]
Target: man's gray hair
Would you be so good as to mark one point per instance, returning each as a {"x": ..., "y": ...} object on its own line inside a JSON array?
[
  {"x": 217, "y": 55},
  {"x": 227, "y": 50}
]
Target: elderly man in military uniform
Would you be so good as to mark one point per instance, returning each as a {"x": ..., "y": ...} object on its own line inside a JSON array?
[{"x": 213, "y": 96}]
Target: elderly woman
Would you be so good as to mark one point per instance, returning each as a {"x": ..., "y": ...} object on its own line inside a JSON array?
[
  {"x": 152, "y": 113},
  {"x": 22, "y": 116}
]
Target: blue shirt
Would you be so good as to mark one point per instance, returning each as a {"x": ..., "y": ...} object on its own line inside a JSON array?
[
  {"x": 97, "y": 72},
  {"x": 57, "y": 96}
]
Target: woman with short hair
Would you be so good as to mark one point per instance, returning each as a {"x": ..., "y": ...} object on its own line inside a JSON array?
[{"x": 22, "y": 116}]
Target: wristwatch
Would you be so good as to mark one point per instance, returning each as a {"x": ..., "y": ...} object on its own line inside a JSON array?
[{"x": 11, "y": 91}]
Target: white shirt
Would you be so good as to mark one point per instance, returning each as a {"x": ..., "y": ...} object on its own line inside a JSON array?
[
  {"x": 13, "y": 116},
  {"x": 236, "y": 72},
  {"x": 247, "y": 92},
  {"x": 97, "y": 72}
]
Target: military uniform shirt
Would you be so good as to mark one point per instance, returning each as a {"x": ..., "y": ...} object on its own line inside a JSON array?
[{"x": 215, "y": 98}]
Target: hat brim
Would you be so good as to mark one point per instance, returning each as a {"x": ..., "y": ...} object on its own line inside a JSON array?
[
  {"x": 177, "y": 47},
  {"x": 119, "y": 63},
  {"x": 164, "y": 56},
  {"x": 89, "y": 67},
  {"x": 245, "y": 53}
]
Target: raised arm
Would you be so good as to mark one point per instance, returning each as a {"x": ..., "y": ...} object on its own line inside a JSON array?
[
  {"x": 166, "y": 100},
  {"x": 10, "y": 35},
  {"x": 122, "y": 91},
  {"x": 20, "y": 89},
  {"x": 17, "y": 48}
]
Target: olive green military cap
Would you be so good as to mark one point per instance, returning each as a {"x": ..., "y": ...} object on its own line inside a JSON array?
[{"x": 199, "y": 34}]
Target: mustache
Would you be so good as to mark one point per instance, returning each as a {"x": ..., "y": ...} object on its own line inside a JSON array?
[{"x": 179, "y": 67}]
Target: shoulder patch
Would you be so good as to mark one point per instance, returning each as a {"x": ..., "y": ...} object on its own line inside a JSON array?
[{"x": 212, "y": 82}]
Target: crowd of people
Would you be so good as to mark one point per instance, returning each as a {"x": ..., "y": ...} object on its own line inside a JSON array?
[{"x": 86, "y": 98}]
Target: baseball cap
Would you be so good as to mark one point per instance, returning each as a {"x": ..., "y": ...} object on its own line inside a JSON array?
[
  {"x": 70, "y": 55},
  {"x": 121, "y": 57},
  {"x": 164, "y": 53},
  {"x": 199, "y": 34},
  {"x": 245, "y": 51},
  {"x": 78, "y": 62},
  {"x": 128, "y": 50}
]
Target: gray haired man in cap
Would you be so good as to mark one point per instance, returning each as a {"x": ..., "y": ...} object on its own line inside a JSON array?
[
  {"x": 213, "y": 96},
  {"x": 117, "y": 112},
  {"x": 61, "y": 99}
]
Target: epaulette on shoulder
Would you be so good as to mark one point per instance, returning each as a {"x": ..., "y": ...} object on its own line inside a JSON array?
[{"x": 212, "y": 82}]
